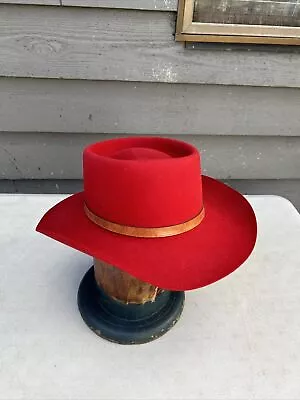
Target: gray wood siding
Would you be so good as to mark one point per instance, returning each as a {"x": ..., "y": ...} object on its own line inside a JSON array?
[
  {"x": 36, "y": 2},
  {"x": 159, "y": 5},
  {"x": 142, "y": 108},
  {"x": 125, "y": 45},
  {"x": 59, "y": 155},
  {"x": 113, "y": 68}
]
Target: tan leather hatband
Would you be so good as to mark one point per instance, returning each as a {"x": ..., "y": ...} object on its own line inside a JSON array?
[{"x": 139, "y": 232}]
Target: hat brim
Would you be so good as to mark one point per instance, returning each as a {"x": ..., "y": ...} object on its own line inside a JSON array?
[{"x": 218, "y": 246}]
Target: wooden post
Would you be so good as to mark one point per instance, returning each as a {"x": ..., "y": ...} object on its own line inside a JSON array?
[
  {"x": 122, "y": 286},
  {"x": 123, "y": 309}
]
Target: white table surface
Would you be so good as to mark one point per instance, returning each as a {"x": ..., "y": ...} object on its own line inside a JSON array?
[{"x": 237, "y": 339}]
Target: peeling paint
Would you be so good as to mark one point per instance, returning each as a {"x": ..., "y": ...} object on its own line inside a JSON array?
[
  {"x": 168, "y": 4},
  {"x": 165, "y": 73}
]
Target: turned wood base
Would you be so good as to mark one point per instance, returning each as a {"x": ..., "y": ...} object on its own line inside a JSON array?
[{"x": 127, "y": 318}]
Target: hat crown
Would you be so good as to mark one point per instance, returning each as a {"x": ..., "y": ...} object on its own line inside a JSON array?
[
  {"x": 140, "y": 153},
  {"x": 143, "y": 182}
]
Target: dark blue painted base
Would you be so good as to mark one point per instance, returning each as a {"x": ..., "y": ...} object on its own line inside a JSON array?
[{"x": 127, "y": 323}]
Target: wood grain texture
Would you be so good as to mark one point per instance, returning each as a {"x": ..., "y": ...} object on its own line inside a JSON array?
[
  {"x": 59, "y": 155},
  {"x": 36, "y": 2},
  {"x": 158, "y": 5},
  {"x": 104, "y": 44},
  {"x": 147, "y": 108},
  {"x": 122, "y": 286}
]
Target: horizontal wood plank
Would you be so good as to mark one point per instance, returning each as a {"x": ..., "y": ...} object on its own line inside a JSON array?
[
  {"x": 30, "y": 2},
  {"x": 59, "y": 155},
  {"x": 155, "y": 5},
  {"x": 135, "y": 107},
  {"x": 126, "y": 45},
  {"x": 158, "y": 5}
]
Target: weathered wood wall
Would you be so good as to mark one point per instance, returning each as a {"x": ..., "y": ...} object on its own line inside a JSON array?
[
  {"x": 52, "y": 105},
  {"x": 125, "y": 45},
  {"x": 58, "y": 155},
  {"x": 70, "y": 75}
]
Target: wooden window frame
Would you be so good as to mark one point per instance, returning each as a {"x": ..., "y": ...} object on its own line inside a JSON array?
[{"x": 190, "y": 31}]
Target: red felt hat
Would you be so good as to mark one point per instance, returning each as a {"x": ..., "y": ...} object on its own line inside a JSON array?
[{"x": 147, "y": 210}]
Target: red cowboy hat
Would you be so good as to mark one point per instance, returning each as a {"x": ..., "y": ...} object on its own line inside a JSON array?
[{"x": 147, "y": 210}]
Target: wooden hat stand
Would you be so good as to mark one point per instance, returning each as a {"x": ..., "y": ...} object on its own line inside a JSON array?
[{"x": 123, "y": 309}]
